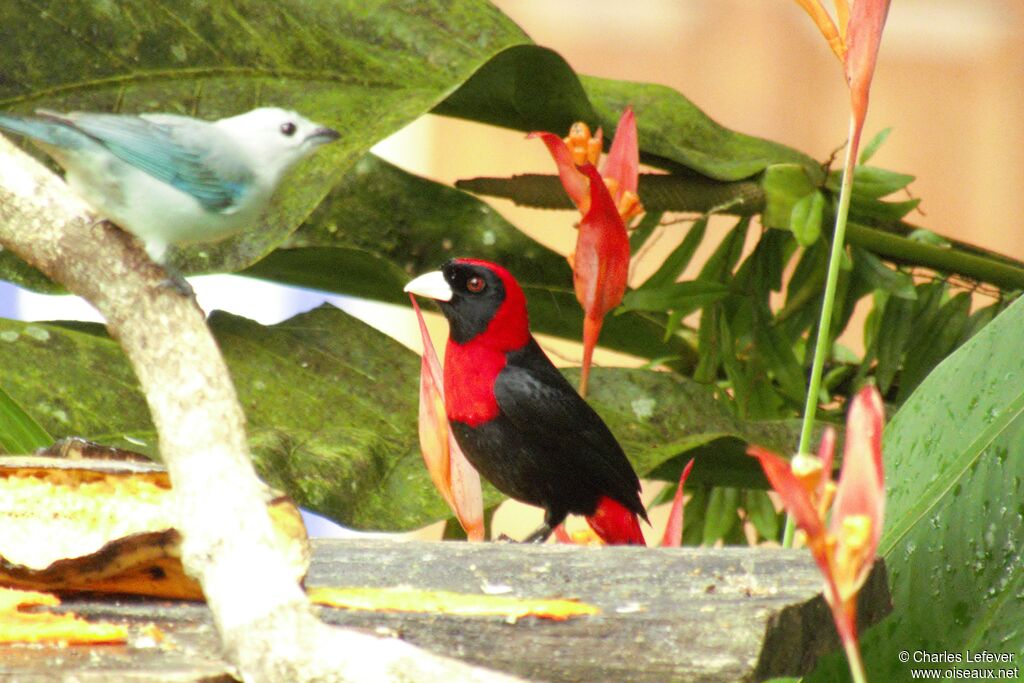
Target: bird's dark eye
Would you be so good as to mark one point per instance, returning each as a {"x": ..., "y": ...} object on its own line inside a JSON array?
[
  {"x": 475, "y": 284},
  {"x": 288, "y": 129}
]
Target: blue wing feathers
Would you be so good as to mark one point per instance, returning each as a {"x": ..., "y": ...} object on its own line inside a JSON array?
[
  {"x": 45, "y": 131},
  {"x": 155, "y": 148}
]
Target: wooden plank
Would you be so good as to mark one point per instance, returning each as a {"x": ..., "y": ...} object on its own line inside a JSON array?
[{"x": 667, "y": 614}]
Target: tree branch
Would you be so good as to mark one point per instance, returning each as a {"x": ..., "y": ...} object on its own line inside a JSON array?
[{"x": 251, "y": 582}]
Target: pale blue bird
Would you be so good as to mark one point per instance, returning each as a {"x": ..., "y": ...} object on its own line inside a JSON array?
[{"x": 170, "y": 179}]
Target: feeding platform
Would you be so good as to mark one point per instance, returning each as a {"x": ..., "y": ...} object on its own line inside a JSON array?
[{"x": 665, "y": 614}]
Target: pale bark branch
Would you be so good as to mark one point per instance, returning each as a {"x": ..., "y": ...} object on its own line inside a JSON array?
[{"x": 266, "y": 625}]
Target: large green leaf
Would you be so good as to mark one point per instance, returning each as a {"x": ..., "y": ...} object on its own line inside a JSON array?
[
  {"x": 19, "y": 433},
  {"x": 381, "y": 225},
  {"x": 528, "y": 87},
  {"x": 331, "y": 409},
  {"x": 525, "y": 87},
  {"x": 673, "y": 128},
  {"x": 366, "y": 68},
  {"x": 954, "y": 457}
]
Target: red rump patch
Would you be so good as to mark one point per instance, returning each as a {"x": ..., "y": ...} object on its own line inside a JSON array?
[{"x": 615, "y": 524}]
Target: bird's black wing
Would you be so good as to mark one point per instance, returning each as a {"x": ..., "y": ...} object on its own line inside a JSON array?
[{"x": 541, "y": 403}]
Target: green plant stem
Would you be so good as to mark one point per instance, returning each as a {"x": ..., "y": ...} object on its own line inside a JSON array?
[
  {"x": 821, "y": 344},
  {"x": 853, "y": 658},
  {"x": 679, "y": 192},
  {"x": 977, "y": 266}
]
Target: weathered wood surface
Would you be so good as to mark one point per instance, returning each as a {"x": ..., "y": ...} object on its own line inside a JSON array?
[{"x": 683, "y": 614}]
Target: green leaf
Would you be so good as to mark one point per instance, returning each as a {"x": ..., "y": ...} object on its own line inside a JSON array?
[
  {"x": 694, "y": 513},
  {"x": 806, "y": 283},
  {"x": 880, "y": 276},
  {"x": 532, "y": 88},
  {"x": 72, "y": 382},
  {"x": 381, "y": 225},
  {"x": 364, "y": 68},
  {"x": 762, "y": 514},
  {"x": 738, "y": 374},
  {"x": 894, "y": 332},
  {"x": 682, "y": 190},
  {"x": 928, "y": 237},
  {"x": 709, "y": 344},
  {"x": 721, "y": 518},
  {"x": 870, "y": 182},
  {"x": 719, "y": 266},
  {"x": 873, "y": 145},
  {"x": 682, "y": 297},
  {"x": 677, "y": 261},
  {"x": 671, "y": 127},
  {"x": 331, "y": 408},
  {"x": 19, "y": 433},
  {"x": 980, "y": 318},
  {"x": 526, "y": 87},
  {"x": 805, "y": 219},
  {"x": 779, "y": 360},
  {"x": 954, "y": 458},
  {"x": 866, "y": 209},
  {"x": 784, "y": 185},
  {"x": 648, "y": 224},
  {"x": 933, "y": 342}
]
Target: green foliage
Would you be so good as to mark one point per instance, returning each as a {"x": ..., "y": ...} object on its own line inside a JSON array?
[
  {"x": 954, "y": 468},
  {"x": 380, "y": 224},
  {"x": 19, "y": 433},
  {"x": 365, "y": 68},
  {"x": 331, "y": 406}
]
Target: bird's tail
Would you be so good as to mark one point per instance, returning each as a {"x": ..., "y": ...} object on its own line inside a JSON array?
[
  {"x": 616, "y": 524},
  {"x": 48, "y": 131}
]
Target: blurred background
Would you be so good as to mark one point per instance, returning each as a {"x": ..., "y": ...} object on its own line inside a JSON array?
[{"x": 949, "y": 82}]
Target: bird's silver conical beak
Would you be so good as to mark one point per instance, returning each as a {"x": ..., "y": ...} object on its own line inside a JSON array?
[
  {"x": 323, "y": 135},
  {"x": 431, "y": 285}
]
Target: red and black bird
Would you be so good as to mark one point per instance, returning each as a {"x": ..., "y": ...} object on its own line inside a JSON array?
[{"x": 517, "y": 419}]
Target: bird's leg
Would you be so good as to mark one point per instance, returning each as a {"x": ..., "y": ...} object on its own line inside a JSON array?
[
  {"x": 544, "y": 531},
  {"x": 540, "y": 535},
  {"x": 177, "y": 282}
]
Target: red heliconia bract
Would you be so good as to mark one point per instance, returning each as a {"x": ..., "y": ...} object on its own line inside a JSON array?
[
  {"x": 844, "y": 545},
  {"x": 600, "y": 267},
  {"x": 574, "y": 182},
  {"x": 622, "y": 165},
  {"x": 863, "y": 37},
  {"x": 455, "y": 479},
  {"x": 673, "y": 536},
  {"x": 607, "y": 202}
]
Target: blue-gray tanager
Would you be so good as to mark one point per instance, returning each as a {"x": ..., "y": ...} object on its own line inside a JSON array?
[{"x": 171, "y": 179}]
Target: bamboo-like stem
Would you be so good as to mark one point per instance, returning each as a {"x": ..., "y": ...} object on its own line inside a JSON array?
[
  {"x": 821, "y": 344},
  {"x": 853, "y": 658}
]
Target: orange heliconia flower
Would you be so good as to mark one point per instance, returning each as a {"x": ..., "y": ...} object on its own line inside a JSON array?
[
  {"x": 844, "y": 543},
  {"x": 608, "y": 201},
  {"x": 854, "y": 37}
]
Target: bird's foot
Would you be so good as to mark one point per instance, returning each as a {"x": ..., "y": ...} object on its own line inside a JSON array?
[{"x": 176, "y": 281}]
